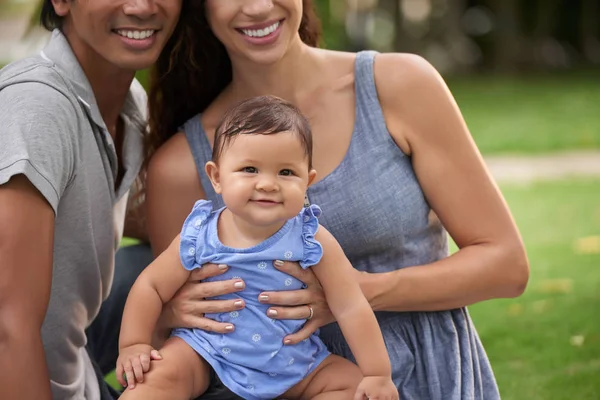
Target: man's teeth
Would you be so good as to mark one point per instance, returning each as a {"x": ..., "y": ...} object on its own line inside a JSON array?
[
  {"x": 139, "y": 35},
  {"x": 261, "y": 32}
]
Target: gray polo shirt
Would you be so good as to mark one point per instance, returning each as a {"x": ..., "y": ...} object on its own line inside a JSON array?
[{"x": 52, "y": 132}]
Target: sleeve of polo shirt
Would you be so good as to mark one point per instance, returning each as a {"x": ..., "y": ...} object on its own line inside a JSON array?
[{"x": 38, "y": 130}]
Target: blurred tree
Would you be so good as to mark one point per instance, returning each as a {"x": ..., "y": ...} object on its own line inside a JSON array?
[
  {"x": 589, "y": 30},
  {"x": 333, "y": 29}
]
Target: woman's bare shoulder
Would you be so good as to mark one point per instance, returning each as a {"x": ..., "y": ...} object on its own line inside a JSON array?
[
  {"x": 409, "y": 88},
  {"x": 173, "y": 162},
  {"x": 409, "y": 73}
]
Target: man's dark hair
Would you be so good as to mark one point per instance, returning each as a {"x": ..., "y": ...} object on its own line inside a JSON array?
[
  {"x": 48, "y": 17},
  {"x": 262, "y": 115}
]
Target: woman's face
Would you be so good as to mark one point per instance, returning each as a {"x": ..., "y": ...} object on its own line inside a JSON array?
[{"x": 260, "y": 31}]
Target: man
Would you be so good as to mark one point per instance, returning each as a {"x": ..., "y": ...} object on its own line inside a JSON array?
[{"x": 71, "y": 125}]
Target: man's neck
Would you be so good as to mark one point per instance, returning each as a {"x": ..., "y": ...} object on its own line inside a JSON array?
[{"x": 110, "y": 84}]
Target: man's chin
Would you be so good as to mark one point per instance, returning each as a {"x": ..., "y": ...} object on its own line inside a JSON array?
[{"x": 135, "y": 64}]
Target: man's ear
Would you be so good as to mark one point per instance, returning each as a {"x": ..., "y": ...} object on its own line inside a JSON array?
[
  {"x": 62, "y": 7},
  {"x": 212, "y": 170},
  {"x": 312, "y": 174}
]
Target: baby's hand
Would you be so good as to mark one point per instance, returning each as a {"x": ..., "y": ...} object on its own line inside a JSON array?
[
  {"x": 376, "y": 388},
  {"x": 133, "y": 361}
]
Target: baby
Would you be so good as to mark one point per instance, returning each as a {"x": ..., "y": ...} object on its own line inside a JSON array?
[{"x": 262, "y": 167}]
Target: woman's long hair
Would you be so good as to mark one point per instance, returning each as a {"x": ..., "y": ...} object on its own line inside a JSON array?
[{"x": 194, "y": 68}]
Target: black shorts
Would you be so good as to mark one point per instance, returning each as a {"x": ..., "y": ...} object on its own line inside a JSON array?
[{"x": 217, "y": 390}]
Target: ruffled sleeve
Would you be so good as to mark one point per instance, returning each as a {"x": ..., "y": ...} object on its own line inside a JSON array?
[
  {"x": 190, "y": 232},
  {"x": 313, "y": 251}
]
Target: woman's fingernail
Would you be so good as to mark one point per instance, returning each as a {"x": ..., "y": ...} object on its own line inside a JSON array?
[
  {"x": 222, "y": 266},
  {"x": 238, "y": 285},
  {"x": 272, "y": 313},
  {"x": 229, "y": 328},
  {"x": 278, "y": 263},
  {"x": 238, "y": 303},
  {"x": 263, "y": 297},
  {"x": 287, "y": 341}
]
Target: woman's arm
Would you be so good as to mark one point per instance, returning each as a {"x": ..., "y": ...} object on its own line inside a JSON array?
[
  {"x": 425, "y": 122},
  {"x": 350, "y": 308}
]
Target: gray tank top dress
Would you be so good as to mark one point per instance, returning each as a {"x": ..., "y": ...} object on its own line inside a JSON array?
[{"x": 373, "y": 205}]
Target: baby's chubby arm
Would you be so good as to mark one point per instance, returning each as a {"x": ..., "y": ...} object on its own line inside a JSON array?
[
  {"x": 155, "y": 286},
  {"x": 355, "y": 317}
]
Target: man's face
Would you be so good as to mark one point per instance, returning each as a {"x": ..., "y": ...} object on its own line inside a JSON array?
[{"x": 128, "y": 34}]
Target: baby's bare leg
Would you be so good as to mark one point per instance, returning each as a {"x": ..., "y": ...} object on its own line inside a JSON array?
[
  {"x": 334, "y": 379},
  {"x": 181, "y": 375}
]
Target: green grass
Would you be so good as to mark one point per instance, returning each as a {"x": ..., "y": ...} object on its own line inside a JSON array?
[
  {"x": 528, "y": 339},
  {"x": 531, "y": 114}
]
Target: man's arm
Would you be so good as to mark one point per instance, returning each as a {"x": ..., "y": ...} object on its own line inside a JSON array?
[{"x": 26, "y": 247}]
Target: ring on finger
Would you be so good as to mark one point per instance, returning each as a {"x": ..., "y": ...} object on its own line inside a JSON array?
[{"x": 310, "y": 312}]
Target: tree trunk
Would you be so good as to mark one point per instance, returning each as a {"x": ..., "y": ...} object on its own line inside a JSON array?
[
  {"x": 507, "y": 35},
  {"x": 588, "y": 30}
]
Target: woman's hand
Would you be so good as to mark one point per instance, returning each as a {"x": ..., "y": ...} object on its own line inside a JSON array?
[
  {"x": 187, "y": 308},
  {"x": 297, "y": 304}
]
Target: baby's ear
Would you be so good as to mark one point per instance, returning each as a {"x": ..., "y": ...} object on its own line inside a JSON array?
[
  {"x": 212, "y": 170},
  {"x": 312, "y": 174}
]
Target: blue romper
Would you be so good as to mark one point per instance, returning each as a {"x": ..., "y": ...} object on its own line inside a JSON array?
[
  {"x": 374, "y": 206},
  {"x": 252, "y": 361}
]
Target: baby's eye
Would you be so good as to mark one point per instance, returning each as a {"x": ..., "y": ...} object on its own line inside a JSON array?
[
  {"x": 250, "y": 170},
  {"x": 286, "y": 172}
]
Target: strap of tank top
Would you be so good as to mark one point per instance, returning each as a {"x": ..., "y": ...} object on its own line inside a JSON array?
[
  {"x": 369, "y": 113},
  {"x": 201, "y": 151}
]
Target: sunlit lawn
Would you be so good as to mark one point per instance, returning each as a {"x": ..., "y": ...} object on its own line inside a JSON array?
[
  {"x": 546, "y": 344},
  {"x": 533, "y": 114}
]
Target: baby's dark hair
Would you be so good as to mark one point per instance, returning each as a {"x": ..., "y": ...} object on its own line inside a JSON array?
[{"x": 262, "y": 115}]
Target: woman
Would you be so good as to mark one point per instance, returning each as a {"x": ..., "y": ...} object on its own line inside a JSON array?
[{"x": 395, "y": 163}]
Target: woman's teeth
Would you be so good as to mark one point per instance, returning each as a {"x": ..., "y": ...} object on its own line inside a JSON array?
[
  {"x": 261, "y": 32},
  {"x": 138, "y": 35}
]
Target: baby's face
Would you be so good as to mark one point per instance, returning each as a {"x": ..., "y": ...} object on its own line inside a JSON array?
[{"x": 263, "y": 178}]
